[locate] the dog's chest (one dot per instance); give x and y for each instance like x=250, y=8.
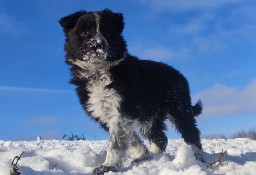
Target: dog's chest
x=103, y=102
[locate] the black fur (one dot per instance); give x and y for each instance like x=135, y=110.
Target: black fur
x=150, y=92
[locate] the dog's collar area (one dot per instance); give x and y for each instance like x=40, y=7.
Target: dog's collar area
x=92, y=70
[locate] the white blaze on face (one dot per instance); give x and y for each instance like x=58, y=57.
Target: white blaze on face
x=97, y=19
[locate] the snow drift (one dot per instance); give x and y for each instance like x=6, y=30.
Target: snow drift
x=54, y=157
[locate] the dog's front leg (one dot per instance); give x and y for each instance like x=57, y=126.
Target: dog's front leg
x=120, y=130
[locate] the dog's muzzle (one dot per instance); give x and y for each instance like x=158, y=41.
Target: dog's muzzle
x=97, y=49
x=99, y=44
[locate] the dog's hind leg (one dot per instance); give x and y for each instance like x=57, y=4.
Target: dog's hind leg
x=156, y=136
x=138, y=149
x=182, y=116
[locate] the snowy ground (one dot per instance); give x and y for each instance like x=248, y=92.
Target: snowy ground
x=54, y=157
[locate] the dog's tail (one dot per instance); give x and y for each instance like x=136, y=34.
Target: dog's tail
x=197, y=109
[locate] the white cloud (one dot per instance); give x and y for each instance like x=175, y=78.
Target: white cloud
x=175, y=5
x=10, y=25
x=158, y=53
x=6, y=23
x=36, y=90
x=35, y=121
x=223, y=100
x=212, y=30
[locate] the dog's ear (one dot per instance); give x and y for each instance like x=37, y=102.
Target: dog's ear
x=115, y=19
x=69, y=22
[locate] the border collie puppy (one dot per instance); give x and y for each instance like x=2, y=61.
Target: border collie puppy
x=125, y=94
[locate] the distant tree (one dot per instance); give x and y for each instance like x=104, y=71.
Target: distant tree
x=246, y=134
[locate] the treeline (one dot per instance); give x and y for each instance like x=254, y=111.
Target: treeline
x=246, y=134
x=241, y=134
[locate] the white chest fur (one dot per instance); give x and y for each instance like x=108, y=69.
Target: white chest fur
x=103, y=102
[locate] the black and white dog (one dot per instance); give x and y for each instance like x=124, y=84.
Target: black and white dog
x=124, y=93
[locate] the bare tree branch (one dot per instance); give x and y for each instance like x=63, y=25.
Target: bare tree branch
x=218, y=158
x=14, y=166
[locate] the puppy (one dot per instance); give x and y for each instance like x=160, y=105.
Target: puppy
x=125, y=94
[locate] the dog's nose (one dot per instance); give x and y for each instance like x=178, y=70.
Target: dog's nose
x=99, y=45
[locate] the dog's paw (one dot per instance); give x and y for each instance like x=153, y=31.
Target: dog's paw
x=147, y=156
x=100, y=170
x=198, y=153
x=200, y=157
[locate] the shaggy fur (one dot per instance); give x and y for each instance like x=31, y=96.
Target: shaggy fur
x=124, y=93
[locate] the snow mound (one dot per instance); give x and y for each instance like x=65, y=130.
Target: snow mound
x=185, y=156
x=53, y=157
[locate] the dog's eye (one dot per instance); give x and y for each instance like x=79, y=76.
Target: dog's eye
x=84, y=33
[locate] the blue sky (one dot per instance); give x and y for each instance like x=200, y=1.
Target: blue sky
x=211, y=42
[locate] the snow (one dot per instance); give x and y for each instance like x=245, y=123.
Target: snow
x=55, y=157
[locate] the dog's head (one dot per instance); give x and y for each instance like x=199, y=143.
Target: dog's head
x=93, y=37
